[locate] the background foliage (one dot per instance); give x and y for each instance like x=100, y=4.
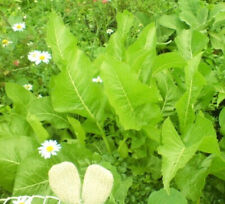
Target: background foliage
x=156, y=121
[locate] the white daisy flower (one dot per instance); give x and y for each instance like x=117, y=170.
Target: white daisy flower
x=28, y=87
x=109, y=31
x=19, y=27
x=49, y=148
x=22, y=200
x=34, y=55
x=5, y=42
x=43, y=57
x=97, y=79
x=39, y=96
x=24, y=17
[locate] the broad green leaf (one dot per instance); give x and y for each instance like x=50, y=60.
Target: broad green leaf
x=195, y=21
x=61, y=41
x=190, y=43
x=218, y=40
x=162, y=197
x=43, y=110
x=202, y=132
x=172, y=22
x=189, y=5
x=194, y=82
x=191, y=179
x=222, y=121
x=73, y=91
x=193, y=13
x=15, y=125
x=218, y=166
x=78, y=129
x=221, y=97
x=12, y=152
x=133, y=101
x=168, y=60
x=175, y=154
x=32, y=177
x=217, y=9
x=40, y=132
x=116, y=46
x=20, y=97
x=169, y=91
x=80, y=94
x=142, y=49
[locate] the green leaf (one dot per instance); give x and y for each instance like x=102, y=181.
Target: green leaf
x=218, y=40
x=169, y=92
x=218, y=166
x=193, y=13
x=190, y=43
x=191, y=179
x=32, y=177
x=40, y=132
x=194, y=82
x=132, y=100
x=142, y=48
x=175, y=154
x=202, y=132
x=61, y=41
x=167, y=61
x=12, y=152
x=20, y=97
x=172, y=22
x=80, y=94
x=222, y=121
x=162, y=197
x=116, y=46
x=78, y=130
x=43, y=110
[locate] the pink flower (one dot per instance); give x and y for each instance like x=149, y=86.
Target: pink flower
x=104, y=1
x=94, y=0
x=16, y=63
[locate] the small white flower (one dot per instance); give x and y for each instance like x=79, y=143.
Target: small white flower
x=39, y=96
x=97, y=79
x=49, y=148
x=19, y=27
x=109, y=31
x=28, y=87
x=43, y=57
x=5, y=42
x=34, y=55
x=19, y=8
x=22, y=200
x=24, y=17
x=30, y=43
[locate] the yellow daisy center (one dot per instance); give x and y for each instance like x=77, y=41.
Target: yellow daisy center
x=49, y=148
x=18, y=26
x=5, y=42
x=42, y=57
x=21, y=203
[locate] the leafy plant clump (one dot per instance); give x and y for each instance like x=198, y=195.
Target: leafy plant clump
x=149, y=108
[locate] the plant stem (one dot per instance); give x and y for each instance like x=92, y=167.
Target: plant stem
x=104, y=138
